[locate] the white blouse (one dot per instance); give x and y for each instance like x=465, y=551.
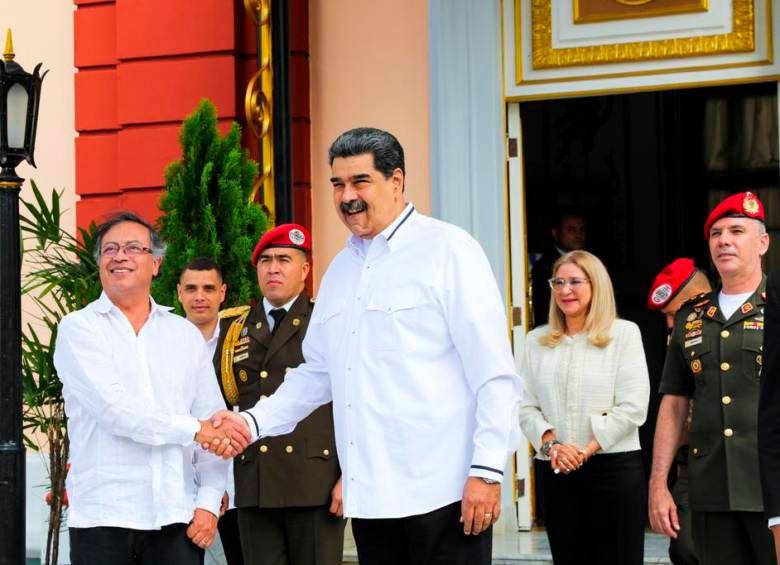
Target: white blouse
x=583, y=391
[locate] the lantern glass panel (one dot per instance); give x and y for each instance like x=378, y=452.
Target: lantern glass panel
x=17, y=115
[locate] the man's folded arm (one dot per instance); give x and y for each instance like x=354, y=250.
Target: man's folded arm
x=84, y=366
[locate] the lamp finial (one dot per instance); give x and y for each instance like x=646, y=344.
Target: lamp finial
x=8, y=54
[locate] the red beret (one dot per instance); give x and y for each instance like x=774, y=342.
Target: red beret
x=285, y=235
x=744, y=204
x=669, y=282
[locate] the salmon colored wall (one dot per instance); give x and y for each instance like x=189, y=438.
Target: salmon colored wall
x=43, y=33
x=369, y=67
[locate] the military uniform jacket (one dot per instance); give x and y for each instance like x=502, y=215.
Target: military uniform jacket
x=297, y=469
x=718, y=363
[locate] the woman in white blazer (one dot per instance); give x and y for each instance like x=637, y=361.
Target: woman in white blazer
x=587, y=391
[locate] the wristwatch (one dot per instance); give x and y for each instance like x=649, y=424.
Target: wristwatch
x=547, y=446
x=488, y=481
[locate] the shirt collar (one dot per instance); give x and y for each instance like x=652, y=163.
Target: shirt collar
x=215, y=336
x=104, y=305
x=267, y=306
x=356, y=244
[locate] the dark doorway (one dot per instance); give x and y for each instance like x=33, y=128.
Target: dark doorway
x=645, y=169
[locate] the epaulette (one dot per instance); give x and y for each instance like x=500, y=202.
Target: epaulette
x=698, y=300
x=233, y=312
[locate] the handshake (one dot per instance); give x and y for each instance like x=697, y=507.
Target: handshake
x=225, y=434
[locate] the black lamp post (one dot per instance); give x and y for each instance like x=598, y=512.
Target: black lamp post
x=20, y=94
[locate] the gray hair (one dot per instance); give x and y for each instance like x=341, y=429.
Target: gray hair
x=383, y=146
x=158, y=246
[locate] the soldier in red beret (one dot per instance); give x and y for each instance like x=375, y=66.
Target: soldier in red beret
x=288, y=488
x=677, y=284
x=715, y=357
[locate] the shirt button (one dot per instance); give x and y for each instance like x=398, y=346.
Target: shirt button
x=263, y=374
x=289, y=449
x=326, y=452
x=724, y=334
x=263, y=449
x=695, y=450
x=725, y=366
x=726, y=400
x=728, y=432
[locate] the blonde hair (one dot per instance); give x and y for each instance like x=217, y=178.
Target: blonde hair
x=601, y=310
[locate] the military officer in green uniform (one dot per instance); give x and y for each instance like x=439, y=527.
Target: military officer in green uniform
x=288, y=488
x=715, y=358
x=680, y=283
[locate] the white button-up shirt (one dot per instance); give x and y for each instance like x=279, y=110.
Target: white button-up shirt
x=133, y=404
x=409, y=340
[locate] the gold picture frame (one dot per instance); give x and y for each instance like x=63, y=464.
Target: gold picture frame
x=544, y=56
x=589, y=11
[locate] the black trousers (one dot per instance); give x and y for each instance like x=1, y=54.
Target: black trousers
x=123, y=546
x=230, y=537
x=435, y=538
x=682, y=550
x=596, y=515
x=291, y=536
x=733, y=538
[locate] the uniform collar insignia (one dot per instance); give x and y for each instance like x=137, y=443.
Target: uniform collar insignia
x=711, y=311
x=746, y=307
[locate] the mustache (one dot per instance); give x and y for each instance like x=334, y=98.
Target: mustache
x=353, y=206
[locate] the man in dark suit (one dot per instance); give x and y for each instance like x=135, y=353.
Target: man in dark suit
x=769, y=409
x=568, y=233
x=288, y=488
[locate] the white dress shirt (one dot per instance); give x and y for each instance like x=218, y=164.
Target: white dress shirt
x=133, y=404
x=409, y=341
x=584, y=392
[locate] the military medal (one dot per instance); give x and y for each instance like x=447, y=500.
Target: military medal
x=691, y=317
x=258, y=325
x=243, y=376
x=244, y=331
x=696, y=366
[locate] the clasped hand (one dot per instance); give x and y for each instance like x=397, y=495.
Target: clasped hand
x=565, y=458
x=226, y=434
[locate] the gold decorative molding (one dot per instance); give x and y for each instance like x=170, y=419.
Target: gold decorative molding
x=628, y=9
x=545, y=56
x=258, y=106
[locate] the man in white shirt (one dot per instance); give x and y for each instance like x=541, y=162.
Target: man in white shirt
x=409, y=340
x=201, y=291
x=138, y=385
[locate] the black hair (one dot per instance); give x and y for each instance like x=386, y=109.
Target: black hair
x=383, y=146
x=203, y=264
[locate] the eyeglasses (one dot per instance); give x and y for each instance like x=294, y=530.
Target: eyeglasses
x=131, y=249
x=558, y=285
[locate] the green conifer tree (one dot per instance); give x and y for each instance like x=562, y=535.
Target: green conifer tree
x=206, y=208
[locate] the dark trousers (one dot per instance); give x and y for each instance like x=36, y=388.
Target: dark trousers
x=230, y=537
x=733, y=538
x=291, y=536
x=596, y=515
x=435, y=538
x=682, y=550
x=123, y=546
